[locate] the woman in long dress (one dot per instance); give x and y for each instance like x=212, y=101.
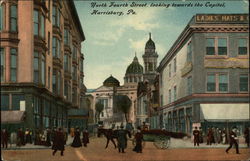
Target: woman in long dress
x=77, y=140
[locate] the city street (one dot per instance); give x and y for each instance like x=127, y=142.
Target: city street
x=96, y=152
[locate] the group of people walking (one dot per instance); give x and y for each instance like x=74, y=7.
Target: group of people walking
x=217, y=136
x=77, y=142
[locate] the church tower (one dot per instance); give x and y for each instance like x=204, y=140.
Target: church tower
x=150, y=61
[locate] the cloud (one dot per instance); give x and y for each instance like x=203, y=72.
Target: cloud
x=108, y=37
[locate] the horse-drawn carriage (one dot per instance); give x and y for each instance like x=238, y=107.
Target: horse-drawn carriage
x=160, y=138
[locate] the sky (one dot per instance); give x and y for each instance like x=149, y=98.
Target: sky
x=112, y=40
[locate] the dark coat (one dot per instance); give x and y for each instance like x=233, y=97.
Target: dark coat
x=232, y=137
x=196, y=134
x=85, y=138
x=58, y=143
x=77, y=140
x=4, y=136
x=122, y=138
x=138, y=139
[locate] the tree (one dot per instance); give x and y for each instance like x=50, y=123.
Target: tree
x=99, y=108
x=123, y=104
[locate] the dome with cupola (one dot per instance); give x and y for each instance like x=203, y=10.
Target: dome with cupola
x=111, y=82
x=135, y=67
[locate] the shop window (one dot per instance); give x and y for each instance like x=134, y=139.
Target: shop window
x=16, y=98
x=4, y=102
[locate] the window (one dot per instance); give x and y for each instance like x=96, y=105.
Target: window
x=244, y=82
x=66, y=90
x=223, y=82
x=43, y=68
x=210, y=49
x=169, y=70
x=66, y=63
x=74, y=73
x=13, y=18
x=189, y=85
x=59, y=83
x=74, y=96
x=56, y=47
x=189, y=52
x=242, y=46
x=175, y=93
x=37, y=111
x=54, y=82
x=211, y=82
x=216, y=46
x=175, y=67
x=1, y=17
x=81, y=64
x=66, y=36
x=4, y=102
x=16, y=98
x=39, y=66
x=36, y=22
x=2, y=64
x=222, y=46
x=169, y=96
x=36, y=67
x=217, y=82
x=13, y=68
x=55, y=16
x=42, y=26
x=74, y=53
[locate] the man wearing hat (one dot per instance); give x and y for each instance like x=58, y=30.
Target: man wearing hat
x=122, y=139
x=233, y=141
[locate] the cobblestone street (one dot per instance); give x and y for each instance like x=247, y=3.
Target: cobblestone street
x=96, y=152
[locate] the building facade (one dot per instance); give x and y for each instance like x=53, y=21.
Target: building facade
x=41, y=63
x=204, y=77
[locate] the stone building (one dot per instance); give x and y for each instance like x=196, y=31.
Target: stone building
x=41, y=63
x=204, y=77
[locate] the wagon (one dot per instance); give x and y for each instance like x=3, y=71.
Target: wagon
x=160, y=138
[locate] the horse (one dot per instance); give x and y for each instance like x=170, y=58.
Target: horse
x=109, y=134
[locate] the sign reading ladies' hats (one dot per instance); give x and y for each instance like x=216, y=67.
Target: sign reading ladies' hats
x=221, y=18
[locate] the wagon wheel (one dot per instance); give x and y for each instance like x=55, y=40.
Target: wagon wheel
x=134, y=143
x=162, y=142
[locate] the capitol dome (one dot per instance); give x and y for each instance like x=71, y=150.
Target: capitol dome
x=135, y=67
x=111, y=82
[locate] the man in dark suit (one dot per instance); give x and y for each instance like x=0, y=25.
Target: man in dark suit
x=138, y=139
x=196, y=134
x=58, y=143
x=122, y=139
x=4, y=138
x=233, y=141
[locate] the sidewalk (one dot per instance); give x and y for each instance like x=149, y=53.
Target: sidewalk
x=187, y=143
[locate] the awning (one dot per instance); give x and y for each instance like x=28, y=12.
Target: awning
x=12, y=116
x=226, y=112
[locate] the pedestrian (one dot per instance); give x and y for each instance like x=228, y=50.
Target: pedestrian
x=77, y=141
x=219, y=135
x=201, y=135
x=26, y=136
x=196, y=134
x=85, y=137
x=48, y=137
x=20, y=137
x=209, y=136
x=223, y=136
x=122, y=139
x=4, y=138
x=58, y=143
x=13, y=138
x=233, y=141
x=72, y=134
x=138, y=140
x=212, y=136
x=246, y=135
x=216, y=135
